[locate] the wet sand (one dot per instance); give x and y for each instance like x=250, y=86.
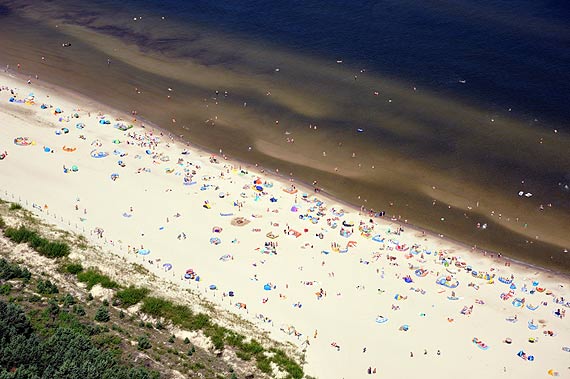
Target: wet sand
x=415, y=140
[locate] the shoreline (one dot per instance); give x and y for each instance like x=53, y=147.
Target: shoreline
x=254, y=166
x=290, y=267
x=544, y=236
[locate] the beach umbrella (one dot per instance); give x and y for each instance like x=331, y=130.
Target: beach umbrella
x=167, y=266
x=213, y=287
x=267, y=287
x=47, y=149
x=259, y=188
x=273, y=200
x=144, y=251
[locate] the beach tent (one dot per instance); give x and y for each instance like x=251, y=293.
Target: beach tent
x=98, y=154
x=144, y=251
x=381, y=319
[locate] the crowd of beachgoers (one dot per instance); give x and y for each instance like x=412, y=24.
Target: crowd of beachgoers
x=361, y=294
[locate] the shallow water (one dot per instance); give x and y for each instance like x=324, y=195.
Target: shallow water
x=457, y=137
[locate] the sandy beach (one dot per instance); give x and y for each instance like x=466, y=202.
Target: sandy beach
x=365, y=296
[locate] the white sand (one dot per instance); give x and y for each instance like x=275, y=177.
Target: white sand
x=364, y=284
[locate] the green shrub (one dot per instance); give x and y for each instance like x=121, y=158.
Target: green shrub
x=68, y=300
x=252, y=347
x=264, y=364
x=131, y=295
x=144, y=343
x=54, y=249
x=107, y=340
x=5, y=289
x=102, y=314
x=154, y=306
x=92, y=277
x=46, y=287
x=20, y=235
x=179, y=315
x=78, y=310
x=243, y=355
x=287, y=364
x=15, y=206
x=2, y=223
x=49, y=249
x=13, y=271
x=74, y=268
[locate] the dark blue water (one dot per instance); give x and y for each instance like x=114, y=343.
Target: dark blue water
x=512, y=54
